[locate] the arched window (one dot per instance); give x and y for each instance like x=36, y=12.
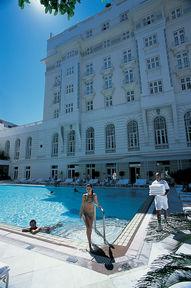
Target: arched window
x=90, y=141
x=71, y=143
x=110, y=138
x=133, y=135
x=55, y=145
x=7, y=149
x=161, y=139
x=17, y=148
x=187, y=121
x=28, y=148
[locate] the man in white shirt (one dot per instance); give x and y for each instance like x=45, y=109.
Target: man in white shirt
x=161, y=202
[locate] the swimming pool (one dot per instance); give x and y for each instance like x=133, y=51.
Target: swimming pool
x=21, y=203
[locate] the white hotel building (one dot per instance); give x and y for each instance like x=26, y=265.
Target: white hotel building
x=117, y=96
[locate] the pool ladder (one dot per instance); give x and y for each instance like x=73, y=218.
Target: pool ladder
x=95, y=228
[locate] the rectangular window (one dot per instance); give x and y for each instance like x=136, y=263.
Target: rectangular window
x=127, y=56
x=16, y=172
x=108, y=101
x=124, y=16
x=89, y=105
x=108, y=82
x=89, y=69
x=70, y=71
x=106, y=43
x=69, y=88
x=69, y=108
x=89, y=88
x=182, y=60
x=107, y=62
x=56, y=113
x=179, y=37
x=89, y=33
x=27, y=172
x=185, y=83
x=130, y=96
x=57, y=81
x=54, y=172
x=56, y=97
x=71, y=171
x=153, y=62
x=126, y=35
x=129, y=77
x=150, y=41
x=156, y=87
x=148, y=20
x=176, y=13
x=89, y=51
x=105, y=26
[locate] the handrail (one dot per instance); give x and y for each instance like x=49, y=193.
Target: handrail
x=95, y=228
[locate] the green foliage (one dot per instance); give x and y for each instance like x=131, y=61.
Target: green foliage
x=55, y=6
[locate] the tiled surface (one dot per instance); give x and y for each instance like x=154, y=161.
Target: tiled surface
x=129, y=232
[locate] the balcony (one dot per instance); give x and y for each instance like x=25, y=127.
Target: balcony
x=89, y=96
x=181, y=72
x=107, y=70
x=128, y=64
x=129, y=85
x=175, y=47
x=87, y=76
x=107, y=91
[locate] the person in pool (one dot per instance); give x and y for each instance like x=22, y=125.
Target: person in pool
x=33, y=228
x=89, y=199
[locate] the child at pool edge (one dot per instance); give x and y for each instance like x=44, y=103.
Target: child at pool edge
x=89, y=199
x=35, y=229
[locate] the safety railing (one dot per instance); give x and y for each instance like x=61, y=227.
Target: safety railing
x=103, y=219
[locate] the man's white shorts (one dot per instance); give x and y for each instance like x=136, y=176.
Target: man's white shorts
x=161, y=202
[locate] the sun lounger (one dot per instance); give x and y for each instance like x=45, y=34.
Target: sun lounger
x=68, y=181
x=140, y=182
x=122, y=182
x=93, y=181
x=186, y=203
x=4, y=273
x=20, y=180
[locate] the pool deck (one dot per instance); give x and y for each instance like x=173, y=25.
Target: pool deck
x=35, y=263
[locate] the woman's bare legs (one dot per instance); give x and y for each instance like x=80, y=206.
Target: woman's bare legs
x=89, y=222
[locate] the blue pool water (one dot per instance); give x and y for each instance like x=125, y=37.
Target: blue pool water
x=19, y=204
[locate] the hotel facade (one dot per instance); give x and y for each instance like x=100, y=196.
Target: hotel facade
x=117, y=97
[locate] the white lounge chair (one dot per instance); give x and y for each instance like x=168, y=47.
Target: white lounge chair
x=68, y=181
x=4, y=273
x=20, y=180
x=93, y=181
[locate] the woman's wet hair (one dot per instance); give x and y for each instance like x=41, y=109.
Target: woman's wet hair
x=90, y=185
x=33, y=221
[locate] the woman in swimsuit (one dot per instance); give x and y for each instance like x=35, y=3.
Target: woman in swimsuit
x=87, y=210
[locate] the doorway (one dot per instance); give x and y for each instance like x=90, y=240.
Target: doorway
x=134, y=172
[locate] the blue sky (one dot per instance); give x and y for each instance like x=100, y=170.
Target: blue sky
x=23, y=40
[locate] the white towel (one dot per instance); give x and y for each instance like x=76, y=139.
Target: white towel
x=157, y=189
